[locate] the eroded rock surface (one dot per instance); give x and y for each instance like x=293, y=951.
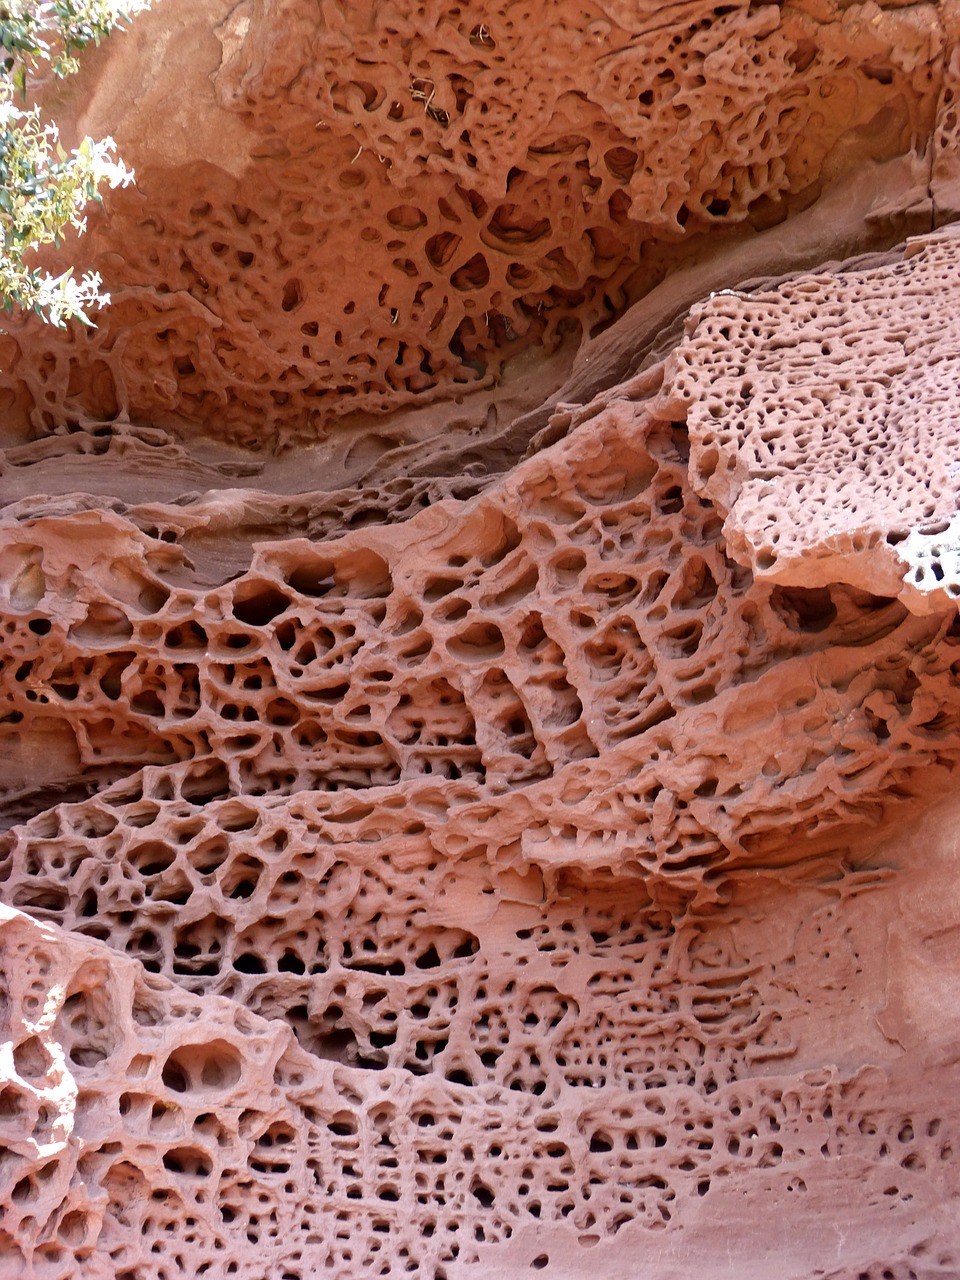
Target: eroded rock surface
x=823, y=419
x=365, y=210
x=509, y=834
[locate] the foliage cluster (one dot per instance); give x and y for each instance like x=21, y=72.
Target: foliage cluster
x=43, y=188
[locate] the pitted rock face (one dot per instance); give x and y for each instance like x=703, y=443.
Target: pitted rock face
x=515, y=839
x=824, y=419
x=577, y=620
x=372, y=210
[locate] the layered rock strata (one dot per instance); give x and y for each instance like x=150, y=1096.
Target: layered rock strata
x=510, y=834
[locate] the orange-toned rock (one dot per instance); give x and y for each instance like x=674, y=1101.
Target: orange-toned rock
x=823, y=422
x=472, y=821
x=349, y=210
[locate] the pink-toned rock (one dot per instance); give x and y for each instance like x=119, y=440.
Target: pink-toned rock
x=346, y=213
x=511, y=834
x=823, y=420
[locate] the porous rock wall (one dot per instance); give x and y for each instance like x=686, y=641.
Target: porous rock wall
x=480, y=686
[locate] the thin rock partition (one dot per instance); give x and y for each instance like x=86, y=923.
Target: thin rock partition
x=480, y=678
x=823, y=423
x=361, y=211
x=522, y=830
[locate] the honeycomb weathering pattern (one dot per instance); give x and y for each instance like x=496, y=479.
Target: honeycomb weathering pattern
x=541, y=865
x=823, y=420
x=490, y=808
x=368, y=209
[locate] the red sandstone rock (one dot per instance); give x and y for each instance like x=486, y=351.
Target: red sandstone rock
x=496, y=839
x=359, y=211
x=824, y=422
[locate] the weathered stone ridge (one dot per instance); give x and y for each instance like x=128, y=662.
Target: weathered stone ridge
x=480, y=685
x=835, y=455
x=371, y=209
